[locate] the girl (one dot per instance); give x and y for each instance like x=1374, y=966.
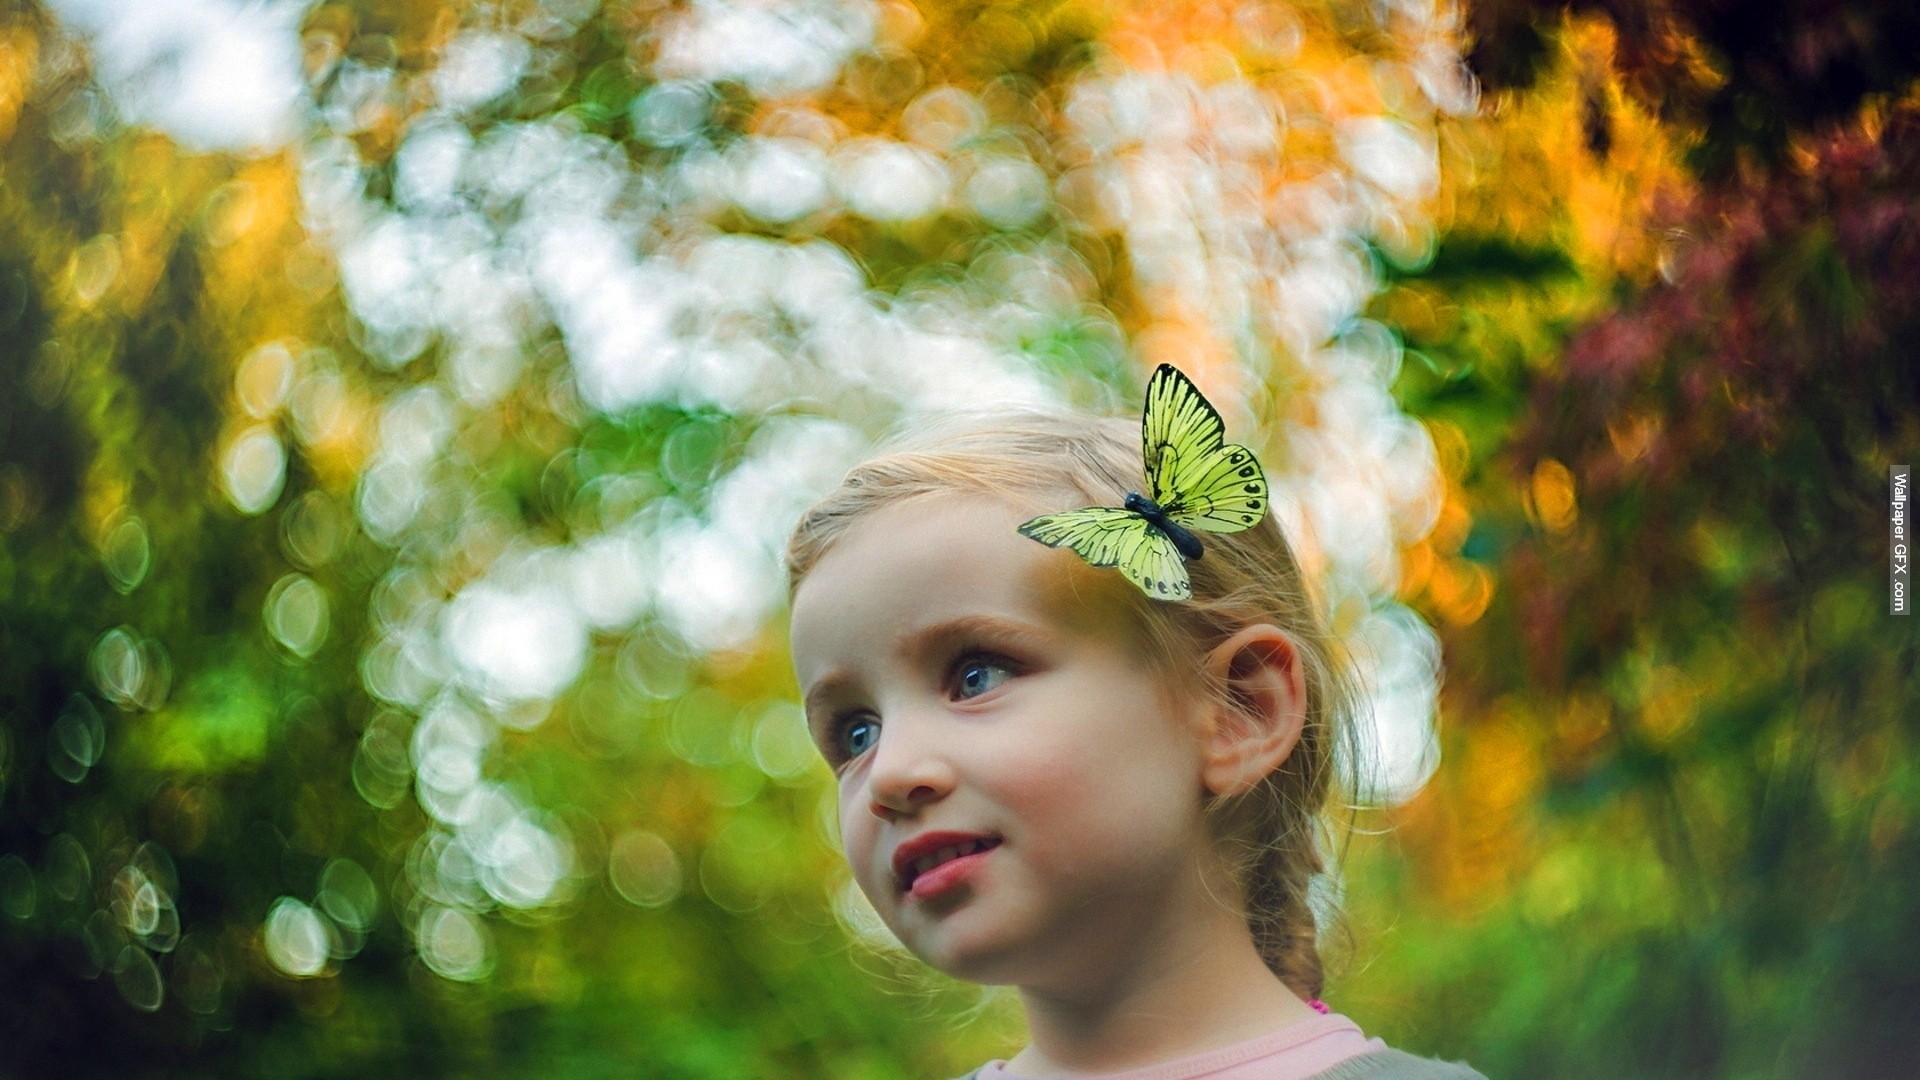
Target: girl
x=1049, y=780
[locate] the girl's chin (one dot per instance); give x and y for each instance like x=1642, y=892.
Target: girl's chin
x=966, y=953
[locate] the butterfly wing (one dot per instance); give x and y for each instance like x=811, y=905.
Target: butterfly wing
x=1109, y=536
x=1199, y=480
x=1221, y=491
x=1177, y=424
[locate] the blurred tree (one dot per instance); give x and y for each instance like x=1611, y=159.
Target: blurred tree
x=1750, y=77
x=165, y=762
x=1686, y=655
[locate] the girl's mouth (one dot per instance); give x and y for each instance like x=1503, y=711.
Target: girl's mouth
x=936, y=873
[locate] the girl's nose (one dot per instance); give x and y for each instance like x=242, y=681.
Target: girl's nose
x=908, y=771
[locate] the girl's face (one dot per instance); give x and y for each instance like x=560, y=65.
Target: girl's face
x=962, y=678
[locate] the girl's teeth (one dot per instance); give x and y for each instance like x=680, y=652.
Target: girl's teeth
x=928, y=862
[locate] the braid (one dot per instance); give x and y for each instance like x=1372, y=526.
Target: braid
x=1275, y=870
x=1282, y=922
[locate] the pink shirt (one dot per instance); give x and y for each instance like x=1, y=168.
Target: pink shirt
x=1295, y=1052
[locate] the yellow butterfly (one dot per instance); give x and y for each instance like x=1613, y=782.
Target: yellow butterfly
x=1197, y=479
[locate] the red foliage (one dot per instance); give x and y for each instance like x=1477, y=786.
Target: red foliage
x=1785, y=287
x=1763, y=387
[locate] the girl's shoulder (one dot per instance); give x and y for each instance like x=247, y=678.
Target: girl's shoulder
x=1390, y=1064
x=1386, y=1064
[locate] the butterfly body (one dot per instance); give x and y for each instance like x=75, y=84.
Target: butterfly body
x=1198, y=482
x=1188, y=543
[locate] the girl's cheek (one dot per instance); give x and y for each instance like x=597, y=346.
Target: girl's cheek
x=1051, y=774
x=852, y=832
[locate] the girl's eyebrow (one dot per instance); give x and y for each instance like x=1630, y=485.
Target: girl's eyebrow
x=940, y=636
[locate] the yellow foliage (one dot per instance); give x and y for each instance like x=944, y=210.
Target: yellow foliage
x=1420, y=311
x=1450, y=528
x=1451, y=449
x=1670, y=704
x=339, y=454
x=19, y=54
x=92, y=269
x=1471, y=829
x=1550, y=498
x=251, y=223
x=152, y=171
x=1460, y=589
x=1529, y=166
x=1416, y=569
x=1194, y=345
x=1582, y=722
x=103, y=499
x=1632, y=433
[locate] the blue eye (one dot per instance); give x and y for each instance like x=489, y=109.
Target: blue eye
x=849, y=738
x=977, y=676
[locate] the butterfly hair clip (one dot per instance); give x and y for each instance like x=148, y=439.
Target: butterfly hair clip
x=1198, y=482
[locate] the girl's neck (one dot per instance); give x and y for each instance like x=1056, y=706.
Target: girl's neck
x=1176, y=990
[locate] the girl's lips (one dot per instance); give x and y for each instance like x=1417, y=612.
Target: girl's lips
x=933, y=843
x=948, y=875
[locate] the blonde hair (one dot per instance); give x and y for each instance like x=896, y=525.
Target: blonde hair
x=1272, y=835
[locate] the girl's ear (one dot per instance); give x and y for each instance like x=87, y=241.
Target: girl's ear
x=1259, y=720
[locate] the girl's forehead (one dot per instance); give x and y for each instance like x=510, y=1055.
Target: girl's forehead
x=932, y=540
x=952, y=555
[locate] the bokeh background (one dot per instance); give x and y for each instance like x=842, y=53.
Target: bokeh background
x=404, y=403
